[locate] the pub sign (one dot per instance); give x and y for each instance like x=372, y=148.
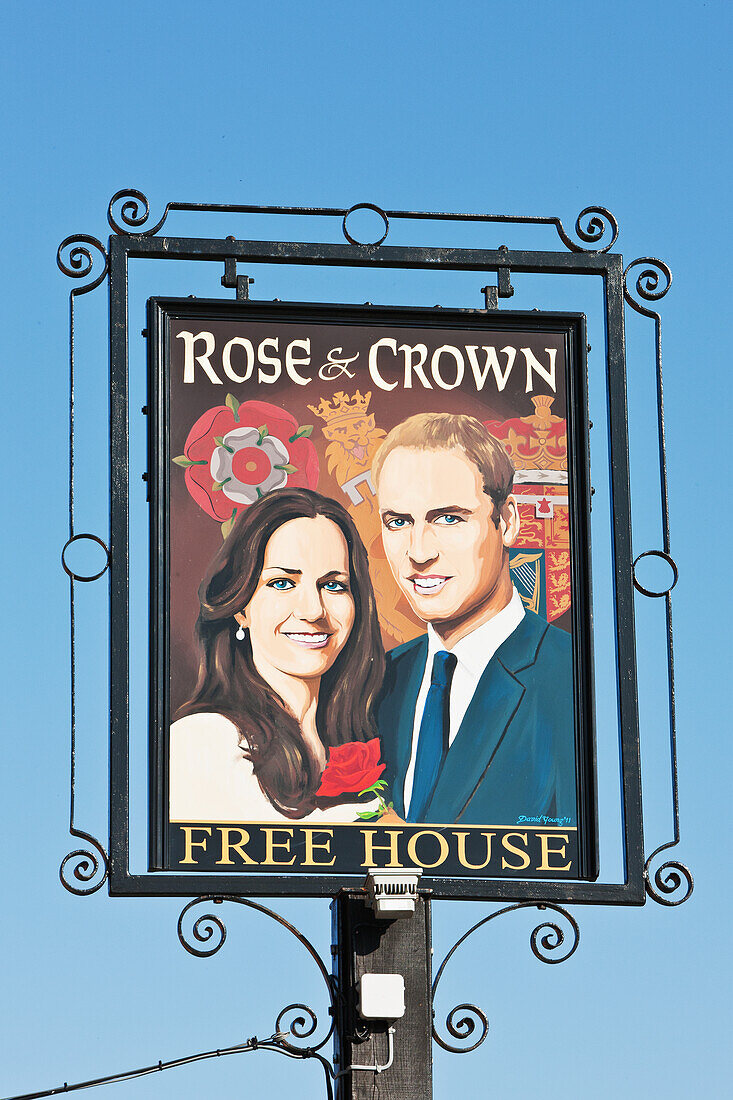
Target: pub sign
x=370, y=595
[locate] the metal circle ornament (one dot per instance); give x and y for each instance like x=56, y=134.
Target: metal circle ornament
x=670, y=562
x=377, y=210
x=80, y=576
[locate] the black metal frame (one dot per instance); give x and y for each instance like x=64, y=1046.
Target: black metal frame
x=77, y=258
x=122, y=249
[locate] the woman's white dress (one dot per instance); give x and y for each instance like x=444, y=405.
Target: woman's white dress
x=211, y=780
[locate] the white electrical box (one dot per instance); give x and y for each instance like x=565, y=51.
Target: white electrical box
x=381, y=996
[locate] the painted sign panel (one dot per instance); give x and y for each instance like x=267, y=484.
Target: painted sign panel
x=371, y=592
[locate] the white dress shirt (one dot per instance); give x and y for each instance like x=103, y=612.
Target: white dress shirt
x=473, y=654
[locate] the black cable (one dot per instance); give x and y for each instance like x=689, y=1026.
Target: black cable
x=274, y=1043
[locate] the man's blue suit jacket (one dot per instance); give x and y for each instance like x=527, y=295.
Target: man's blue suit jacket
x=514, y=754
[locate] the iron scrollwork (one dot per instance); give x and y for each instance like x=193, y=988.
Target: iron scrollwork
x=461, y=1022
x=645, y=282
x=85, y=870
x=545, y=942
x=301, y=1026
x=209, y=929
x=672, y=882
x=129, y=210
x=80, y=260
x=84, y=257
x=134, y=211
x=600, y=221
x=671, y=877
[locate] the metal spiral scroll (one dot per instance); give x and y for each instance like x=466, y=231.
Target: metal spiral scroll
x=86, y=868
x=203, y=929
x=210, y=930
x=301, y=1026
x=648, y=283
x=463, y=1028
x=134, y=212
x=600, y=221
x=80, y=261
x=664, y=884
x=545, y=939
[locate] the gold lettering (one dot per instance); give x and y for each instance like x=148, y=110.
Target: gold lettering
x=310, y=846
x=238, y=846
x=271, y=844
x=188, y=831
x=461, y=838
x=509, y=847
x=412, y=848
x=547, y=851
x=370, y=847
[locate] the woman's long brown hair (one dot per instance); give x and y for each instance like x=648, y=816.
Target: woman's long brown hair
x=228, y=682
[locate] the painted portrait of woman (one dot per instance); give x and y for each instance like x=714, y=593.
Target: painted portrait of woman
x=280, y=724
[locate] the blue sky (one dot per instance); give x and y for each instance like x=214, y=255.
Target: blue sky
x=528, y=108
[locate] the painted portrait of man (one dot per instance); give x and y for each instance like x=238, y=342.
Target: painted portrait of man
x=419, y=511
x=476, y=714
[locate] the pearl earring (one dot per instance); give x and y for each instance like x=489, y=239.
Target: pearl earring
x=240, y=634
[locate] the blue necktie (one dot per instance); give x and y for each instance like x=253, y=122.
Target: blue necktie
x=432, y=744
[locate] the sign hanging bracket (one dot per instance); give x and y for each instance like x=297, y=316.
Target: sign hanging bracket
x=232, y=281
x=503, y=289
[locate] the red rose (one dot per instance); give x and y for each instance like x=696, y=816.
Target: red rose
x=234, y=454
x=351, y=768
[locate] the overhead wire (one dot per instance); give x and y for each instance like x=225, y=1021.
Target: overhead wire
x=274, y=1043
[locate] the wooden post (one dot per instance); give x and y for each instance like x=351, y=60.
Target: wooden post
x=364, y=944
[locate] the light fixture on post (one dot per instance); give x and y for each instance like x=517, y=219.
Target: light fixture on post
x=392, y=891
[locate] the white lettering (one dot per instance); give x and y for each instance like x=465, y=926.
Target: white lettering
x=435, y=366
x=189, y=341
x=491, y=364
x=385, y=342
x=291, y=362
x=226, y=358
x=268, y=360
x=534, y=364
x=410, y=353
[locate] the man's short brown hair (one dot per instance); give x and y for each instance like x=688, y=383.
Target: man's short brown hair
x=444, y=431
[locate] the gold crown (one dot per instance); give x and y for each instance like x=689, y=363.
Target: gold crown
x=535, y=442
x=343, y=408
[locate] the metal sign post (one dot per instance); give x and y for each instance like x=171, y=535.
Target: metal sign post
x=247, y=400
x=384, y=1007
